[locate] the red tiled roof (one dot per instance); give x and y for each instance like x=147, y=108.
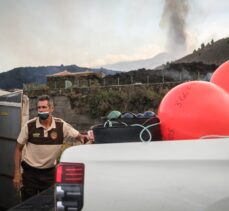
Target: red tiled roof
x=63, y=73
x=67, y=73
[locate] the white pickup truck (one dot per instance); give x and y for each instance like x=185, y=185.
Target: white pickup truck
x=188, y=175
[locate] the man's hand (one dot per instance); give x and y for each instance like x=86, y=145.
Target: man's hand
x=85, y=138
x=17, y=181
x=91, y=136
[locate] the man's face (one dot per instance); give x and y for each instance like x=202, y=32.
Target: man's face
x=42, y=106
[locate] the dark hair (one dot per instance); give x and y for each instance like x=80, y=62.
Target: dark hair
x=45, y=97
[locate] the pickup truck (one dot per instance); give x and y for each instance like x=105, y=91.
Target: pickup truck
x=184, y=175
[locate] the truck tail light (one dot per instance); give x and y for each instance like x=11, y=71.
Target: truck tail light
x=69, y=186
x=70, y=173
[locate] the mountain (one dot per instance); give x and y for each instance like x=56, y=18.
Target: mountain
x=16, y=77
x=207, y=57
x=199, y=65
x=196, y=66
x=150, y=63
x=211, y=53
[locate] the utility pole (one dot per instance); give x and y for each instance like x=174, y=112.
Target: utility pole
x=163, y=78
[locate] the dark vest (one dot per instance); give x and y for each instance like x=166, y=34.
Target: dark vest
x=36, y=135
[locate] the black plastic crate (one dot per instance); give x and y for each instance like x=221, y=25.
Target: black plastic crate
x=128, y=130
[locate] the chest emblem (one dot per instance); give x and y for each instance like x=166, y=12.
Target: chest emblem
x=53, y=135
x=36, y=135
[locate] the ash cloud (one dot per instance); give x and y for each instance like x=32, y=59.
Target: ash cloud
x=174, y=20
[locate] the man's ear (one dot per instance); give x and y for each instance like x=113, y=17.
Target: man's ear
x=51, y=109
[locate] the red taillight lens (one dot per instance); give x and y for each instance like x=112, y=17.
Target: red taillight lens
x=70, y=173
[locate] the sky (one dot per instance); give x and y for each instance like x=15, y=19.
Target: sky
x=92, y=33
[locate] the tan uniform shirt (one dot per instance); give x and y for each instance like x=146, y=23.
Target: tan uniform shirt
x=43, y=156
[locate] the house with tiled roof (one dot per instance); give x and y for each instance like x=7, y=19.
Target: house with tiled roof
x=66, y=79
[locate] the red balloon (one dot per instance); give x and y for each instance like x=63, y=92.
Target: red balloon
x=221, y=76
x=193, y=110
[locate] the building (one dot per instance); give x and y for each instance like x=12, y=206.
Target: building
x=66, y=79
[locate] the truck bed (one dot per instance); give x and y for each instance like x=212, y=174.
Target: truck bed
x=163, y=175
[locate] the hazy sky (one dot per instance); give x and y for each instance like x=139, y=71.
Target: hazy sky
x=96, y=32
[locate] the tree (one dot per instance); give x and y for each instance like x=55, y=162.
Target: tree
x=202, y=45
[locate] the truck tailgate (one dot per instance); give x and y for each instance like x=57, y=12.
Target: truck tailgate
x=165, y=175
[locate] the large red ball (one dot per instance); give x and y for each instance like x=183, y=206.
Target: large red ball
x=221, y=76
x=194, y=109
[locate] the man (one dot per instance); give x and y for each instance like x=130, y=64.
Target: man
x=43, y=137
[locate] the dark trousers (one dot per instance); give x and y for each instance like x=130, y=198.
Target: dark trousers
x=35, y=180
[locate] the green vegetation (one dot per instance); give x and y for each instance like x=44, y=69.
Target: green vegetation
x=136, y=99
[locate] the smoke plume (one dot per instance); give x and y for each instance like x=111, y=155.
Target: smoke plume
x=174, y=20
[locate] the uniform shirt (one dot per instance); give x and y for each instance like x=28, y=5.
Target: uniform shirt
x=43, y=155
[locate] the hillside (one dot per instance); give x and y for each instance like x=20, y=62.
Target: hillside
x=211, y=53
x=171, y=72
x=24, y=75
x=200, y=64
